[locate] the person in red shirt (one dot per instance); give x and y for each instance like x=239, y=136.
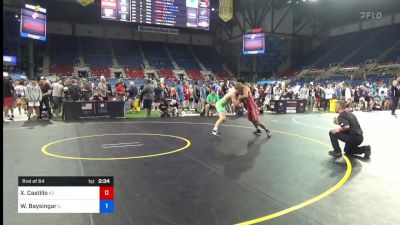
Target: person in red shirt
x=120, y=91
x=186, y=92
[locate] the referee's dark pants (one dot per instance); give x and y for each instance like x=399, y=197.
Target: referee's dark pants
x=352, y=143
x=395, y=103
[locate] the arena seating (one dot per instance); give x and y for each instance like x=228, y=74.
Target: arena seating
x=222, y=75
x=166, y=73
x=128, y=54
x=336, y=48
x=96, y=52
x=209, y=57
x=63, y=53
x=195, y=74
x=156, y=55
x=393, y=56
x=61, y=69
x=133, y=72
x=288, y=73
x=183, y=57
x=97, y=71
x=374, y=49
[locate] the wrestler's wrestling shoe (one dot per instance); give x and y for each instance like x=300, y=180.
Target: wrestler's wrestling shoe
x=215, y=133
x=335, y=153
x=257, y=132
x=268, y=134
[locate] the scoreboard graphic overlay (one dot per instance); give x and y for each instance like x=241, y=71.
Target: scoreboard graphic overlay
x=174, y=13
x=65, y=194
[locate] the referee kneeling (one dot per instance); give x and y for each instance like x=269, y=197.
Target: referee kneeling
x=349, y=132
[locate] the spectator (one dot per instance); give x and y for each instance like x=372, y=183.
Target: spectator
x=67, y=84
x=196, y=95
x=34, y=96
x=186, y=93
x=132, y=94
x=174, y=107
x=158, y=91
x=8, y=96
x=46, y=94
x=120, y=91
x=148, y=96
x=212, y=99
x=96, y=96
x=179, y=93
x=86, y=90
x=329, y=94
x=164, y=108
x=74, y=91
x=57, y=89
x=395, y=94
x=102, y=88
x=20, y=91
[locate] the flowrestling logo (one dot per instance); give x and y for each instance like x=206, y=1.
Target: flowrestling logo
x=371, y=15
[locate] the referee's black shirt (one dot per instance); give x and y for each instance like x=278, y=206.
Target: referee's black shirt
x=348, y=118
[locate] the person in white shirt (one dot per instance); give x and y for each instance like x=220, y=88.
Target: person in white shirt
x=277, y=92
x=34, y=96
x=329, y=92
x=20, y=91
x=296, y=90
x=57, y=89
x=383, y=90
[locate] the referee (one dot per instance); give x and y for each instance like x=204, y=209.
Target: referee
x=349, y=132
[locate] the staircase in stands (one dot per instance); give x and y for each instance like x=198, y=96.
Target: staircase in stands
x=46, y=65
x=203, y=68
x=145, y=62
x=171, y=58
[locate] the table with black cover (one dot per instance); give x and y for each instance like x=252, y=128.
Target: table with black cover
x=95, y=109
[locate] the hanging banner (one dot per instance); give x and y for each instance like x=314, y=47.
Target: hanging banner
x=226, y=10
x=85, y=2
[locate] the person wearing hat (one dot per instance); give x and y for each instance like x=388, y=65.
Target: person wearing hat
x=8, y=96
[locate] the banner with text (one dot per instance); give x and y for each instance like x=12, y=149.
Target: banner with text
x=226, y=10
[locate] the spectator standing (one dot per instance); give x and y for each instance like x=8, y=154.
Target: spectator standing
x=186, y=93
x=57, y=89
x=196, y=95
x=8, y=96
x=46, y=94
x=158, y=92
x=34, y=96
x=74, y=91
x=20, y=91
x=120, y=91
x=179, y=92
x=148, y=96
x=395, y=94
x=102, y=87
x=329, y=94
x=86, y=90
